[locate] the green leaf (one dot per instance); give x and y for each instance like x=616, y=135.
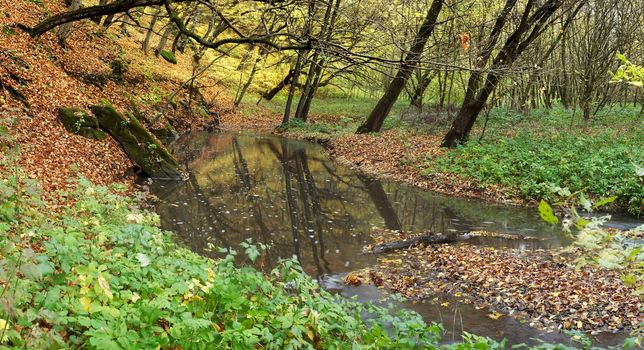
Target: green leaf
x=609, y=260
x=143, y=259
x=604, y=202
x=638, y=170
x=630, y=280
x=546, y=213
x=581, y=223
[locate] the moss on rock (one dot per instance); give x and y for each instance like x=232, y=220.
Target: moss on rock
x=80, y=123
x=166, y=133
x=91, y=133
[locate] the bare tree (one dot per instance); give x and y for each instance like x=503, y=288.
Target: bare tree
x=382, y=109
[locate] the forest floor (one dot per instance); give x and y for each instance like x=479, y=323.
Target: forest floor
x=78, y=76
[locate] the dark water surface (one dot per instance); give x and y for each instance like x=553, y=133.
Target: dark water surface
x=290, y=195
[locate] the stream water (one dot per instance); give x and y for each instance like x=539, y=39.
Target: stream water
x=290, y=195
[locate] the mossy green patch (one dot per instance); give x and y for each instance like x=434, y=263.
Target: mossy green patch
x=168, y=56
x=6, y=30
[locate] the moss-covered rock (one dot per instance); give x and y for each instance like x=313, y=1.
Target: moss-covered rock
x=91, y=133
x=80, y=123
x=139, y=144
x=168, y=56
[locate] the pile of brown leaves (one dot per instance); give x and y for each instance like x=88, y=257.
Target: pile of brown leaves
x=542, y=287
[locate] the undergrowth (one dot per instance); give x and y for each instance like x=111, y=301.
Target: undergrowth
x=547, y=166
x=102, y=275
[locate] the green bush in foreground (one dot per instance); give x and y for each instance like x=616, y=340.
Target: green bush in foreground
x=549, y=166
x=102, y=275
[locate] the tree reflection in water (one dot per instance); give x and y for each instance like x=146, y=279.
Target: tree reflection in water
x=290, y=195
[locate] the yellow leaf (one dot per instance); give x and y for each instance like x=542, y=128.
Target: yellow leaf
x=495, y=315
x=445, y=304
x=309, y=333
x=3, y=327
x=135, y=297
x=105, y=285
x=85, y=302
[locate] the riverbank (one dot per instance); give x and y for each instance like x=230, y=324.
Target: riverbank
x=518, y=163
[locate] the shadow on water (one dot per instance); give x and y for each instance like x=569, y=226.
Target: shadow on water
x=290, y=195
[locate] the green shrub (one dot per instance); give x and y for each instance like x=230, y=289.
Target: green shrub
x=106, y=277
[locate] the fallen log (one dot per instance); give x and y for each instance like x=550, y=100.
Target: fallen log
x=139, y=144
x=414, y=241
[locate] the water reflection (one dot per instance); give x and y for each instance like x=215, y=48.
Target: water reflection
x=290, y=195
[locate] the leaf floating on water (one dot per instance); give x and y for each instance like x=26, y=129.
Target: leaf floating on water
x=495, y=315
x=353, y=280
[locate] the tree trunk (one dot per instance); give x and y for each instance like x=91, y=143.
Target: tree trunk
x=66, y=29
x=274, y=91
x=416, y=99
x=164, y=39
x=89, y=12
x=412, y=242
x=382, y=109
x=327, y=33
x=97, y=19
x=124, y=24
x=108, y=21
x=530, y=26
x=249, y=81
x=291, y=92
x=148, y=36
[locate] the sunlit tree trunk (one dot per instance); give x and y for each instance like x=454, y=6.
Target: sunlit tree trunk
x=148, y=35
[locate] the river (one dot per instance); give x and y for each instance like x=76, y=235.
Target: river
x=288, y=194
